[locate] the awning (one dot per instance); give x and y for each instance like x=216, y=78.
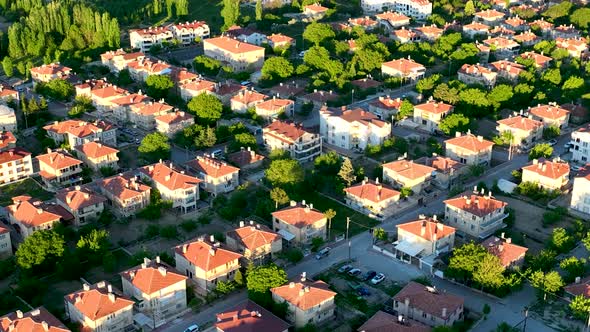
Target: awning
x=408, y=248
x=288, y=236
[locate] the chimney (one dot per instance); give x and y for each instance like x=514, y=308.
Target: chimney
x=508, y=240
x=110, y=288
x=19, y=314
x=162, y=270
x=444, y=312
x=577, y=282
x=303, y=276
x=502, y=235
x=86, y=287
x=112, y=297
x=212, y=252
x=184, y=248
x=407, y=302
x=291, y=285
x=458, y=134
x=158, y=259
x=45, y=326
x=241, y=224
x=132, y=274
x=212, y=238
x=301, y=292
x=423, y=228
x=292, y=203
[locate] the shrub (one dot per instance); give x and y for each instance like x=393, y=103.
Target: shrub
x=152, y=231
x=189, y=225
x=169, y=232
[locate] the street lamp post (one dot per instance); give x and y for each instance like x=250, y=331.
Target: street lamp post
x=349, y=242
x=352, y=96
x=526, y=315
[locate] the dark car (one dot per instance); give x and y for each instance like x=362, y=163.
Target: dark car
x=369, y=275
x=362, y=291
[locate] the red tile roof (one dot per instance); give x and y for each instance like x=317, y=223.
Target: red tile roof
x=512, y=68
x=79, y=197
x=50, y=69
x=542, y=24
x=579, y=288
x=244, y=157
x=152, y=277
x=526, y=37
x=366, y=83
x=131, y=99
x=430, y=30
x=490, y=14
x=108, y=91
x=549, y=169
x=315, y=8
x=476, y=204
x=404, y=66
x=13, y=154
x=151, y=108
x=181, y=75
x=253, y=237
x=500, y=42
x=552, y=112
x=429, y=229
x=31, y=212
x=152, y=31
x=249, y=317
x=504, y=249
x=199, y=85
x=285, y=131
x=409, y=169
x=470, y=142
x=305, y=295
x=441, y=164
x=515, y=21
x=205, y=255
x=58, y=160
x=476, y=26
x=384, y=322
x=97, y=302
x=354, y=115
x=174, y=117
x=540, y=59
x=362, y=21
x=393, y=17
x=233, y=46
x=431, y=302
x=32, y=321
x=247, y=97
x=279, y=38
x=211, y=167
x=166, y=175
x=321, y=96
x=522, y=123
x=286, y=89
x=6, y=92
x=95, y=150
x=434, y=107
x=123, y=186
x=191, y=25
x=387, y=103
x=274, y=104
x=372, y=191
x=6, y=139
x=299, y=216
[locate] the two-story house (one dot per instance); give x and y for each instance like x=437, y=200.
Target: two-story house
x=299, y=223
x=7, y=94
x=541, y=61
x=99, y=308
x=171, y=123
x=206, y=263
x=581, y=191
x=315, y=11
x=174, y=185
x=48, y=72
x=477, y=215
x=246, y=158
x=469, y=149
x=403, y=68
x=7, y=140
x=507, y=70
x=385, y=107
x=97, y=155
x=448, y=171
x=256, y=242
x=58, y=169
x=548, y=174
x=422, y=238
x=126, y=194
x=372, y=198
x=576, y=47
x=475, y=29
x=502, y=47
x=527, y=38
x=143, y=114
x=510, y=254
x=78, y=132
x=15, y=164
x=383, y=321
x=274, y=107
x=245, y=100
x=302, y=145
x=189, y=32
x=391, y=20
x=524, y=130
x=551, y=115
x=477, y=74
x=308, y=301
x=407, y=174
x=489, y=17
x=428, y=305
x=216, y=176
x=196, y=87
x=318, y=98
x=82, y=202
x=238, y=55
x=38, y=319
x=158, y=292
x=119, y=59
x=8, y=120
x=580, y=144
x=144, y=39
x=430, y=114
x=249, y=316
x=352, y=128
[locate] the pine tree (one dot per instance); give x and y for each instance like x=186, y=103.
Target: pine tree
x=258, y=10
x=469, y=8
x=7, y=65
x=239, y=278
x=347, y=172
x=230, y=13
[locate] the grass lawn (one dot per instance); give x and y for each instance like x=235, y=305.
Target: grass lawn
x=26, y=187
x=358, y=222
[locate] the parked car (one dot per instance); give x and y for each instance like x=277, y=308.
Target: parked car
x=246, y=83
x=355, y=272
x=192, y=328
x=322, y=253
x=302, y=54
x=567, y=146
x=378, y=278
x=362, y=291
x=345, y=268
x=552, y=142
x=369, y=275
x=575, y=168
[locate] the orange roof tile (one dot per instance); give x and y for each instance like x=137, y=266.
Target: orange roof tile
x=32, y=321
x=199, y=85
x=441, y=164
x=152, y=277
x=13, y=154
x=131, y=99
x=393, y=17
x=489, y=14
x=409, y=169
x=79, y=197
x=247, y=97
x=512, y=68
x=404, y=66
x=95, y=150
x=152, y=31
x=206, y=256
x=579, y=288
x=181, y=75
x=315, y=8
x=5, y=92
x=123, y=186
x=500, y=42
x=504, y=249
x=244, y=157
x=191, y=25
x=431, y=302
x=109, y=91
x=51, y=69
x=372, y=191
x=434, y=107
x=552, y=112
x=166, y=175
x=211, y=167
x=476, y=204
x=526, y=37
x=539, y=59
x=249, y=317
x=285, y=131
x=354, y=115
x=253, y=237
x=542, y=24
x=387, y=103
x=233, y=46
x=429, y=229
x=275, y=104
x=278, y=38
x=58, y=160
x=97, y=302
x=31, y=212
x=6, y=139
x=470, y=142
x=299, y=216
x=151, y=108
x=305, y=295
x=175, y=117
x=476, y=26
x=430, y=30
x=384, y=322
x=549, y=169
x=522, y=123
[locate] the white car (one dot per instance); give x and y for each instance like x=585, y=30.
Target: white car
x=552, y=142
x=378, y=278
x=302, y=54
x=192, y=328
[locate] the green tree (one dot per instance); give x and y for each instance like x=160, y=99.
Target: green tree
x=500, y=95
x=82, y=105
x=346, y=172
x=279, y=196
x=158, y=86
x=580, y=306
x=328, y=163
x=465, y=260
x=552, y=76
x=380, y=234
x=574, y=267
x=230, y=13
x=284, y=172
x=154, y=146
x=406, y=109
x=58, y=88
x=549, y=282
x=206, y=65
x=427, y=84
x=573, y=87
x=551, y=132
x=206, y=107
x=469, y=9
x=239, y=278
x=489, y=273
x=206, y=138
x=558, y=11
x=329, y=214
x=8, y=66
x=94, y=245
x=454, y=123
x=561, y=241
x=276, y=68
x=544, y=260
x=541, y=150
x=261, y=279
x=258, y=10
x=41, y=247
x=581, y=18
x=317, y=33
x=244, y=140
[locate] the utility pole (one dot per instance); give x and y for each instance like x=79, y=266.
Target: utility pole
x=526, y=315
x=329, y=228
x=349, y=242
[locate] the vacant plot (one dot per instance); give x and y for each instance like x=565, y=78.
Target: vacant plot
x=26, y=187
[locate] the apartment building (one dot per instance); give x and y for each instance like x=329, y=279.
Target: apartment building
x=510, y=254
x=423, y=238
x=58, y=169
x=245, y=100
x=79, y=132
x=206, y=263
x=352, y=128
x=475, y=214
x=429, y=115
x=407, y=174
x=403, y=68
x=302, y=145
x=272, y=108
x=384, y=321
x=175, y=186
x=100, y=307
x=551, y=115
x=309, y=302
x=15, y=164
x=97, y=155
x=121, y=106
x=7, y=140
x=189, y=32
x=158, y=292
x=216, y=176
x=119, y=59
x=527, y=38
x=428, y=305
x=490, y=17
x=469, y=149
x=550, y=175
x=8, y=120
x=38, y=319
x=580, y=144
x=429, y=33
x=507, y=69
x=170, y=124
x=475, y=29
x=143, y=39
x=299, y=223
x=126, y=194
x=477, y=74
x=48, y=72
x=385, y=107
x=29, y=215
x=142, y=69
x=249, y=316
x=541, y=61
x=238, y=55
x=372, y=198
x=576, y=47
x=525, y=131
x=5, y=243
x=258, y=243
x=143, y=114
x=82, y=202
x=194, y=88
x=581, y=191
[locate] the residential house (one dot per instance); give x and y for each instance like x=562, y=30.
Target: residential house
x=144, y=39
x=142, y=69
x=49, y=72
x=490, y=17
x=469, y=149
x=419, y=241
x=15, y=164
x=477, y=74
x=448, y=171
x=429, y=115
x=318, y=98
x=8, y=120
x=7, y=141
x=391, y=20
x=428, y=305
x=541, y=61
x=7, y=94
x=502, y=47
x=103, y=97
x=256, y=242
x=249, y=316
x=158, y=291
x=279, y=40
x=246, y=35
x=194, y=88
x=372, y=198
x=565, y=31
x=576, y=47
x=174, y=186
x=302, y=145
x=407, y=174
x=190, y=32
x=308, y=302
x=315, y=11
x=417, y=9
x=527, y=38
x=580, y=287
x=82, y=202
x=58, y=169
x=366, y=23
x=100, y=307
x=122, y=106
x=385, y=107
x=524, y=130
x=404, y=36
x=126, y=194
x=507, y=69
x=238, y=55
x=404, y=68
x=119, y=59
x=272, y=108
x=171, y=123
x=206, y=263
x=580, y=144
x=477, y=215
x=38, y=319
x=581, y=191
x=544, y=27
x=180, y=76
x=515, y=23
x=143, y=114
x=245, y=100
x=429, y=33
x=85, y=88
x=510, y=254
x=475, y=29
x=97, y=155
x=551, y=115
x=382, y=321
x=217, y=177
x=29, y=215
x=286, y=91
x=246, y=158
x=550, y=175
x=366, y=84
x=501, y=31
x=5, y=243
x=299, y=223
x=352, y=128
x=79, y=132
x=225, y=91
